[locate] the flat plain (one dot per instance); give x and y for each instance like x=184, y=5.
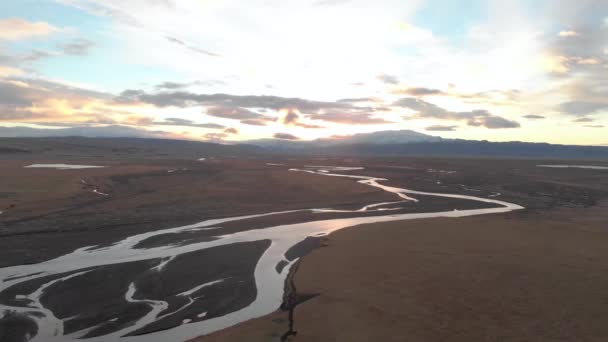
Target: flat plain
x=498, y=277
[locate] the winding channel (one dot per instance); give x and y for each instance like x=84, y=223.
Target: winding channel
x=23, y=288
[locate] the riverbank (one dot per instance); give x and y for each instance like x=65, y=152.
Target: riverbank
x=536, y=275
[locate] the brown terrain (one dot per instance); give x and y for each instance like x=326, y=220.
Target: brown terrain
x=537, y=274
x=520, y=276
x=142, y=196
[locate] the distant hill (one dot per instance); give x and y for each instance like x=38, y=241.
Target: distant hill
x=410, y=143
x=386, y=143
x=382, y=138
x=375, y=138
x=113, y=131
x=131, y=148
x=472, y=148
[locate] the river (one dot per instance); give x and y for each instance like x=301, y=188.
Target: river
x=25, y=289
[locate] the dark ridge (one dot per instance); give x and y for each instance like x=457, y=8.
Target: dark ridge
x=459, y=148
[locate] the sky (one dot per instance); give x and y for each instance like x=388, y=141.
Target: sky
x=233, y=70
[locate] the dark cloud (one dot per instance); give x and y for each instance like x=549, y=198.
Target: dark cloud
x=534, y=116
x=231, y=130
x=440, y=128
x=187, y=99
x=583, y=119
x=19, y=60
x=14, y=95
x=215, y=137
x=474, y=118
x=388, y=79
x=581, y=50
x=348, y=117
x=594, y=126
x=235, y=113
x=254, y=122
x=35, y=55
x=178, y=121
x=420, y=91
x=285, y=136
x=171, y=85
x=357, y=99
x=191, y=47
x=291, y=118
x=18, y=96
x=508, y=94
x=492, y=122
x=582, y=107
x=8, y=113
x=78, y=47
x=305, y=125
x=187, y=123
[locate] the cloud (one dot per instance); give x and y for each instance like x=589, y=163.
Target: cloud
x=221, y=136
x=188, y=123
x=346, y=117
x=235, y=113
x=285, y=136
x=16, y=29
x=419, y=91
x=568, y=34
x=35, y=55
x=138, y=120
x=45, y=102
x=78, y=47
x=171, y=85
x=534, y=116
x=292, y=118
x=357, y=99
x=594, y=126
x=492, y=122
x=191, y=47
x=15, y=94
x=254, y=122
x=580, y=55
x=582, y=107
x=187, y=99
x=388, y=79
x=441, y=128
x=215, y=137
x=476, y=118
x=239, y=107
x=8, y=71
x=305, y=125
x=583, y=120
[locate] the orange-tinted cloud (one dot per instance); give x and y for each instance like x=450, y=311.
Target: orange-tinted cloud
x=15, y=29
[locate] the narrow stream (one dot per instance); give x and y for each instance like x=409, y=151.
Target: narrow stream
x=25, y=288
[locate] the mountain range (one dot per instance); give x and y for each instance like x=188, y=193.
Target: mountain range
x=383, y=143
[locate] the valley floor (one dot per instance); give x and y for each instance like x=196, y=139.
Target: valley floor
x=533, y=275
